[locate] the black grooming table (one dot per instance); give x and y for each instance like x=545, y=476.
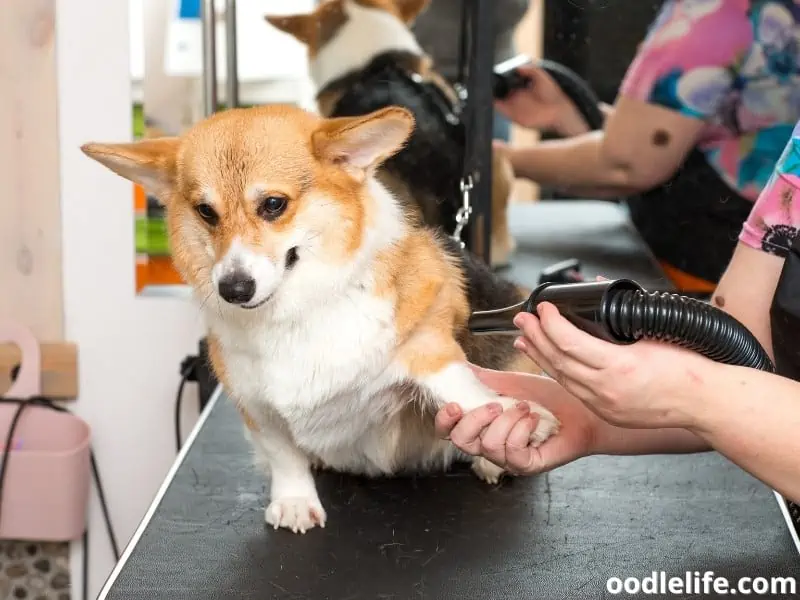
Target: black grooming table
x=554, y=536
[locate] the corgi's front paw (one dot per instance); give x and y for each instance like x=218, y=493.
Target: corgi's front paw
x=299, y=514
x=486, y=470
x=547, y=425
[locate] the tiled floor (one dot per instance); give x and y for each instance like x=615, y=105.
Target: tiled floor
x=34, y=571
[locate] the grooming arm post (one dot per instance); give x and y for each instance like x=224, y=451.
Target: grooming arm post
x=208, y=17
x=231, y=56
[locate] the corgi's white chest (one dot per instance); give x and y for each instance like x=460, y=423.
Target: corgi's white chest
x=326, y=374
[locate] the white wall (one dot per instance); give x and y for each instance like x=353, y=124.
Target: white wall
x=130, y=347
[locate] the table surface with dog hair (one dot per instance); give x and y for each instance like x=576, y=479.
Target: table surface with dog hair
x=558, y=535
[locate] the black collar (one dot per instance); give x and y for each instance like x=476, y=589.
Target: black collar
x=393, y=68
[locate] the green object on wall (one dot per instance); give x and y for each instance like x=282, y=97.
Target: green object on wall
x=138, y=121
x=151, y=230
x=151, y=237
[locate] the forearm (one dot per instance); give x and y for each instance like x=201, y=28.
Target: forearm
x=753, y=418
x=630, y=442
x=577, y=164
x=572, y=123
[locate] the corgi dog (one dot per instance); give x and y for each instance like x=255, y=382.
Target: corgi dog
x=363, y=57
x=336, y=322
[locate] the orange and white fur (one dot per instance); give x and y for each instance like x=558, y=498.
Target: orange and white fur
x=336, y=323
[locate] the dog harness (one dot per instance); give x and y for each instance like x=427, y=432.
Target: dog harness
x=433, y=156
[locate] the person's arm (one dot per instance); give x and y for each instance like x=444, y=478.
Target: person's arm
x=652, y=398
x=745, y=292
x=622, y=441
x=753, y=419
x=641, y=146
x=676, y=81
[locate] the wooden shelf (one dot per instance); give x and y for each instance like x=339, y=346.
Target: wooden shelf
x=59, y=369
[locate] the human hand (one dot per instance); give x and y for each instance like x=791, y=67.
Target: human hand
x=646, y=385
x=504, y=437
x=542, y=105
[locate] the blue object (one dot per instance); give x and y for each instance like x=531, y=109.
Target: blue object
x=501, y=128
x=189, y=9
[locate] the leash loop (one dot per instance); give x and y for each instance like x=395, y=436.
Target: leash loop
x=465, y=211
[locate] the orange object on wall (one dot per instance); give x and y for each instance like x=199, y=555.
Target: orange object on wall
x=151, y=270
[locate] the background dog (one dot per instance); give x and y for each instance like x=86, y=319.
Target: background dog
x=364, y=57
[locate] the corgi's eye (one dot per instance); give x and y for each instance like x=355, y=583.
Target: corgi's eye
x=208, y=214
x=272, y=207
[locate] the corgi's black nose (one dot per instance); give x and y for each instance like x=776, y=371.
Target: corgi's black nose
x=237, y=288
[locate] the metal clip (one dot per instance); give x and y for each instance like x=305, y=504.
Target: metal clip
x=464, y=213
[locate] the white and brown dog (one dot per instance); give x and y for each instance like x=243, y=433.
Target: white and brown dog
x=337, y=323
x=363, y=57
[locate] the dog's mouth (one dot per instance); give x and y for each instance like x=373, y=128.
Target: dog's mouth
x=290, y=260
x=254, y=305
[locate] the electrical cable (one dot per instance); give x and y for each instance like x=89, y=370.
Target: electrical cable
x=188, y=373
x=85, y=566
x=47, y=403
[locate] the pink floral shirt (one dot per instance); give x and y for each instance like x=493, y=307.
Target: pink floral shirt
x=733, y=64
x=774, y=221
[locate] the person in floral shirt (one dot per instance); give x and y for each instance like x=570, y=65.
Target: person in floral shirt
x=734, y=64
x=702, y=116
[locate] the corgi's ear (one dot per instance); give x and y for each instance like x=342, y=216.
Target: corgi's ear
x=150, y=162
x=409, y=10
x=361, y=143
x=301, y=27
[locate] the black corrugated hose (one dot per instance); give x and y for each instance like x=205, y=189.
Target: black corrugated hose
x=687, y=322
x=623, y=312
x=577, y=90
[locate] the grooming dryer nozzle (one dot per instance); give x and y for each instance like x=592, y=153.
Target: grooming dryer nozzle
x=584, y=304
x=495, y=322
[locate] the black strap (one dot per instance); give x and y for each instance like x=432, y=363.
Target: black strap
x=463, y=44
x=465, y=85
x=467, y=58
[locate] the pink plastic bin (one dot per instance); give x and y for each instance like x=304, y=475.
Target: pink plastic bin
x=46, y=488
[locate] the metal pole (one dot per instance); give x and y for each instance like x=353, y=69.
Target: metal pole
x=208, y=18
x=231, y=58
